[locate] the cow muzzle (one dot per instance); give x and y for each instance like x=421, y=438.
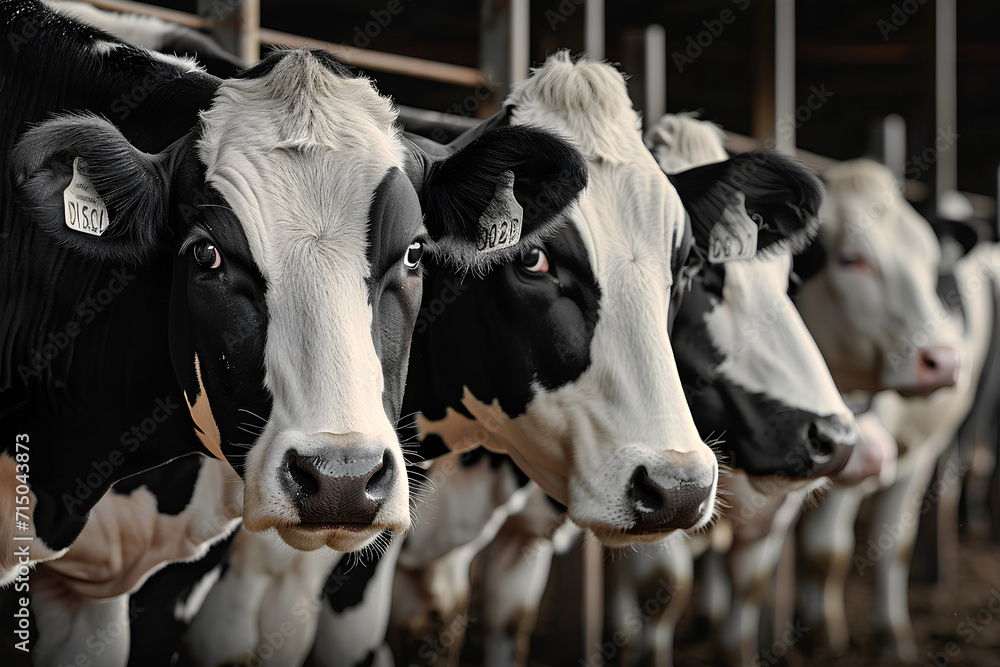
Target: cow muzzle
x=338, y=490
x=829, y=444
x=347, y=486
x=645, y=494
x=936, y=367
x=664, y=506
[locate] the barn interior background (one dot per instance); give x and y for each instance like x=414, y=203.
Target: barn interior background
x=914, y=83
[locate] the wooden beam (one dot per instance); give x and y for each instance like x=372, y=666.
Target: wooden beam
x=181, y=18
x=377, y=61
x=738, y=143
x=382, y=62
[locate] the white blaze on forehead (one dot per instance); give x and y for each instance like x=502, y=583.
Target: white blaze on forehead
x=766, y=344
x=628, y=406
x=681, y=141
x=297, y=154
x=264, y=139
x=865, y=212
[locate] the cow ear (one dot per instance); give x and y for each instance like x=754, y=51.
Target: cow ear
x=81, y=181
x=501, y=193
x=750, y=203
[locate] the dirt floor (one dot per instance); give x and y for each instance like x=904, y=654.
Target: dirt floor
x=941, y=617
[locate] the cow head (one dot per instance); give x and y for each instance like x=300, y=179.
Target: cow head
x=869, y=294
x=560, y=357
x=297, y=241
x=752, y=373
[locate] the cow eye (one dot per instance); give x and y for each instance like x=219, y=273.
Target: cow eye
x=413, y=255
x=856, y=261
x=535, y=261
x=206, y=255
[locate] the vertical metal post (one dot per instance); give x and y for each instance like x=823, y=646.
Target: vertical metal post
x=946, y=104
x=520, y=39
x=656, y=74
x=498, y=28
x=894, y=146
x=784, y=75
x=235, y=25
x=593, y=39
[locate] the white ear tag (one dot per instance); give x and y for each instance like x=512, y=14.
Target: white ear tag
x=83, y=208
x=735, y=236
x=500, y=224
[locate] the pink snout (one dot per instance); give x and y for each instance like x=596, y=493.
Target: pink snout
x=937, y=367
x=874, y=454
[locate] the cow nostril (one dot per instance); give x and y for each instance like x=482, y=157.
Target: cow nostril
x=379, y=485
x=929, y=362
x=819, y=444
x=646, y=497
x=304, y=482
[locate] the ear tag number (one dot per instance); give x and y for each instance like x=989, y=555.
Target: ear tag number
x=500, y=224
x=83, y=208
x=735, y=235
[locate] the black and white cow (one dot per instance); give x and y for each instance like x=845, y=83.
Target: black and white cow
x=879, y=254
x=568, y=367
x=155, y=34
x=751, y=371
x=174, y=240
x=560, y=357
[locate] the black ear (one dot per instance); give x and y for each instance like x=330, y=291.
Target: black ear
x=79, y=179
x=966, y=232
x=750, y=203
x=810, y=260
x=499, y=194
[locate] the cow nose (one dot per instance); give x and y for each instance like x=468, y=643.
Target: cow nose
x=344, y=485
x=829, y=443
x=937, y=367
x=658, y=508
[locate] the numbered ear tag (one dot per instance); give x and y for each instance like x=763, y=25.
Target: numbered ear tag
x=84, y=209
x=500, y=224
x=735, y=235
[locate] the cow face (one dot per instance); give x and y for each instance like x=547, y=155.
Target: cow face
x=561, y=358
x=296, y=283
x=870, y=301
x=752, y=373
